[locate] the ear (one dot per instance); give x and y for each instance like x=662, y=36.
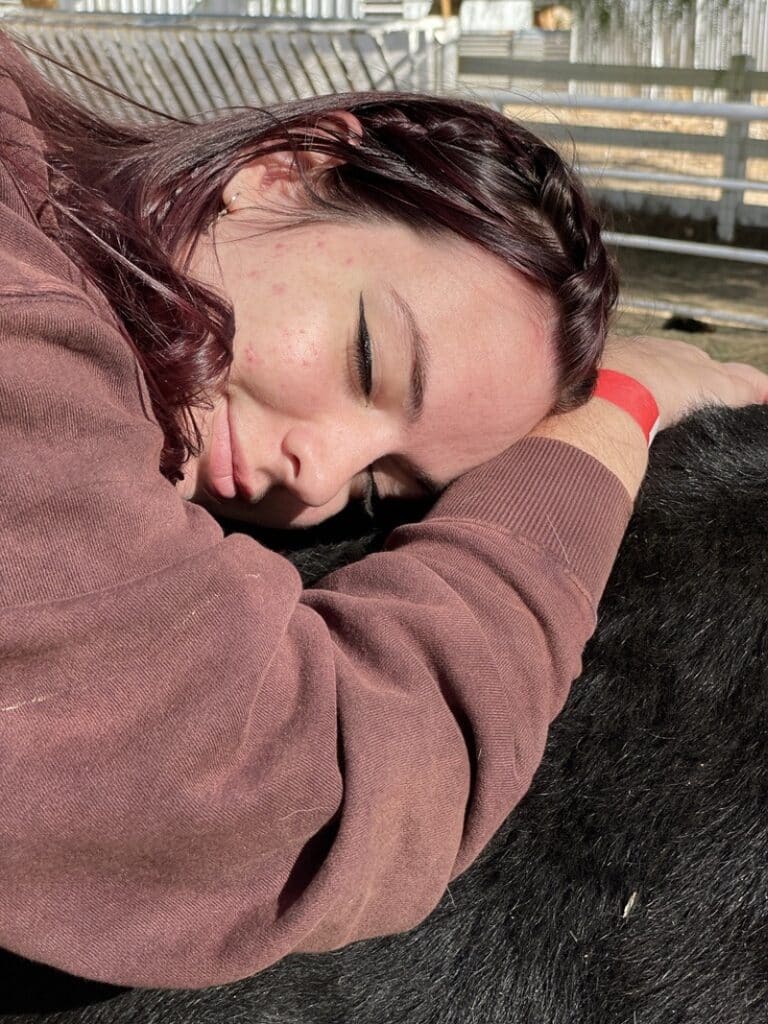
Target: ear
x=278, y=175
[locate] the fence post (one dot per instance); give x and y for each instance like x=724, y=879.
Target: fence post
x=734, y=147
x=434, y=47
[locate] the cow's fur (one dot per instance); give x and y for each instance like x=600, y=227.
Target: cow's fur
x=631, y=884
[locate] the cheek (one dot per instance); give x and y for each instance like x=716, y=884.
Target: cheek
x=301, y=348
x=286, y=366
x=469, y=424
x=287, y=342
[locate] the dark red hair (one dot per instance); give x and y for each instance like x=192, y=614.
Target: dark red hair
x=131, y=199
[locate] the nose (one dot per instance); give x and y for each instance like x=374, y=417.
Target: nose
x=316, y=466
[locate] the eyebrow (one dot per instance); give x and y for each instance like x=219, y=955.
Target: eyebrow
x=418, y=380
x=419, y=359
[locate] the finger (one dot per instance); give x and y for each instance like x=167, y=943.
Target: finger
x=755, y=379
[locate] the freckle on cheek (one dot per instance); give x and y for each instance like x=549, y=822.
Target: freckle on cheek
x=310, y=354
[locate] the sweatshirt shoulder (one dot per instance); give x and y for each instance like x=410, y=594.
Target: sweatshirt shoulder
x=56, y=344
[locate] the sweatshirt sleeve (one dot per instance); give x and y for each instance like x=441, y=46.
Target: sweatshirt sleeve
x=206, y=767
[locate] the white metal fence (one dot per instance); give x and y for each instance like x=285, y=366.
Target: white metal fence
x=530, y=45
x=334, y=10
x=552, y=84
x=318, y=9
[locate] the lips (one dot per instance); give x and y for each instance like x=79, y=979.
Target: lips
x=220, y=468
x=243, y=489
x=227, y=474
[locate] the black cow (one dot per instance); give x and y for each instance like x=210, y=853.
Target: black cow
x=631, y=884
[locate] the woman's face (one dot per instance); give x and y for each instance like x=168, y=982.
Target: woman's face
x=453, y=346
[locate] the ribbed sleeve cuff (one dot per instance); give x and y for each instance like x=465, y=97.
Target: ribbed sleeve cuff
x=554, y=495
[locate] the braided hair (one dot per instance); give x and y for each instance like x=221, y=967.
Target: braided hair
x=457, y=166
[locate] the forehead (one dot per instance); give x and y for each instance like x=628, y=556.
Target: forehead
x=468, y=296
x=486, y=326
x=463, y=297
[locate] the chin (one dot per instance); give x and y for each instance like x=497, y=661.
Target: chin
x=272, y=520
x=289, y=515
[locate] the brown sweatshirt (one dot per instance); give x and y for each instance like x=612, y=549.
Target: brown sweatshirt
x=203, y=766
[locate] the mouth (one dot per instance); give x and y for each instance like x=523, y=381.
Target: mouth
x=243, y=488
x=226, y=484
x=220, y=469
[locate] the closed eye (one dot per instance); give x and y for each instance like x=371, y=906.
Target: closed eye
x=364, y=366
x=363, y=363
x=363, y=354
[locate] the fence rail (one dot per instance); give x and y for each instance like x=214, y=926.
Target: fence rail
x=192, y=65
x=739, y=81
x=732, y=78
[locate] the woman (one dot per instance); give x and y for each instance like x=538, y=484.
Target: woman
x=205, y=766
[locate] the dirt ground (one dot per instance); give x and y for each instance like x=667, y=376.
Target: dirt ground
x=718, y=285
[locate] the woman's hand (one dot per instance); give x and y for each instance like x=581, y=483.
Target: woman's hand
x=682, y=377
x=679, y=376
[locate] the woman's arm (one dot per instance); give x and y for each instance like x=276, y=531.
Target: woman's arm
x=681, y=378
x=206, y=767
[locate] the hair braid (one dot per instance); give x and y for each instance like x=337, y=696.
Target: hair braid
x=499, y=185
x=588, y=294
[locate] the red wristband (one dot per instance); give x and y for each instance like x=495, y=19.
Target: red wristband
x=631, y=396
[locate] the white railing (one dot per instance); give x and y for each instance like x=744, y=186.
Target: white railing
x=736, y=147
x=318, y=9
x=339, y=10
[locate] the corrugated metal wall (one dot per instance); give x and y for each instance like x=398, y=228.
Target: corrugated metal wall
x=706, y=35
x=738, y=28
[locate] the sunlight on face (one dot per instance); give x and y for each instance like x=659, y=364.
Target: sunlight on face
x=363, y=348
